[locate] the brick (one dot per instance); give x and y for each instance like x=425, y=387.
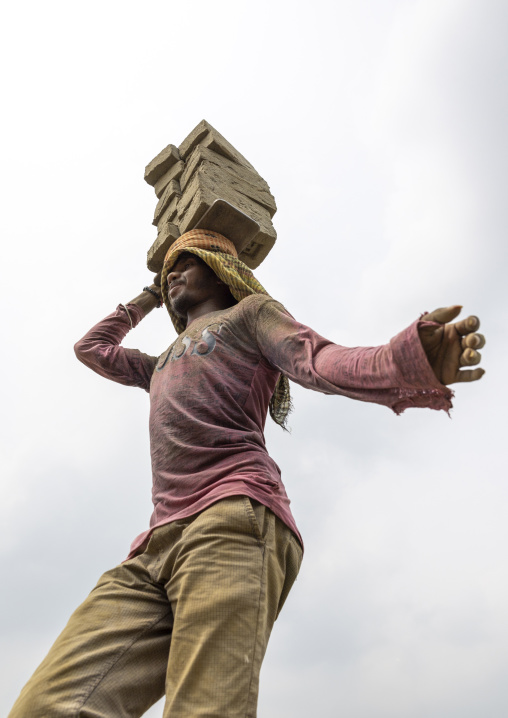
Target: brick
x=252, y=246
x=172, y=190
x=208, y=168
x=202, y=152
x=259, y=246
x=192, y=206
x=257, y=250
x=224, y=218
x=169, y=214
x=161, y=164
x=205, y=134
x=241, y=179
x=158, y=250
x=210, y=187
x=174, y=172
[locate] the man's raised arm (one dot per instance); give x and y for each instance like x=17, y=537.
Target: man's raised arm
x=100, y=348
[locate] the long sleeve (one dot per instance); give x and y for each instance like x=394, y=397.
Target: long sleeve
x=100, y=350
x=396, y=374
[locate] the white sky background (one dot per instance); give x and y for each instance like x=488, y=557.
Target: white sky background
x=381, y=129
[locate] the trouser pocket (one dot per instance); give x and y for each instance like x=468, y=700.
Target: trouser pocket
x=260, y=518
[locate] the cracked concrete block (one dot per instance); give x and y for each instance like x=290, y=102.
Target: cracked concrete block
x=205, y=134
x=243, y=180
x=174, y=173
x=158, y=250
x=172, y=190
x=161, y=164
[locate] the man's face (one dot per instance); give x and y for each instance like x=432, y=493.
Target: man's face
x=191, y=283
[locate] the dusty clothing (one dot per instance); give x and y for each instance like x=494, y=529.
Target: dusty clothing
x=189, y=613
x=210, y=390
x=220, y=254
x=209, y=587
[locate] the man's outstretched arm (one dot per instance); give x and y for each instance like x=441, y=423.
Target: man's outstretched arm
x=400, y=374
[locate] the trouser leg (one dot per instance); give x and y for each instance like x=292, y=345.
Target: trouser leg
x=111, y=658
x=212, y=586
x=229, y=574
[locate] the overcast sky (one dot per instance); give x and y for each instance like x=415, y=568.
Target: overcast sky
x=380, y=126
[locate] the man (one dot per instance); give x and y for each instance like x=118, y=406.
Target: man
x=189, y=613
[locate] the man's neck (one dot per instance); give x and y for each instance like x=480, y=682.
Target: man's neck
x=207, y=307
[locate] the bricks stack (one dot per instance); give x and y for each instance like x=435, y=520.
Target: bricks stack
x=188, y=180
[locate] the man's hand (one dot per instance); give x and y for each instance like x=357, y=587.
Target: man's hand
x=451, y=346
x=148, y=300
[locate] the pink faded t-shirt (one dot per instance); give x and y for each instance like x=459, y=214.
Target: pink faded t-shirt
x=209, y=396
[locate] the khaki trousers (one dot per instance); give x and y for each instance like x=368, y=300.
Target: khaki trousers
x=189, y=617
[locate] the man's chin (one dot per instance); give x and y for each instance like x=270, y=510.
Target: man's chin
x=178, y=307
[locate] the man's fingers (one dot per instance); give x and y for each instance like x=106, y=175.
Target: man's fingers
x=469, y=375
x=443, y=315
x=470, y=357
x=468, y=325
x=473, y=341
x=453, y=346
